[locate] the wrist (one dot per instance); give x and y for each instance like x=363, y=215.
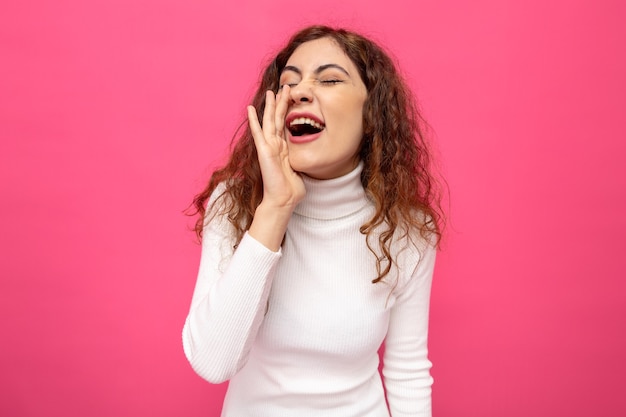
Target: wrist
x=275, y=210
x=269, y=224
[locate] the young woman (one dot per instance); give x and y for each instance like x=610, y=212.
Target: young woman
x=319, y=238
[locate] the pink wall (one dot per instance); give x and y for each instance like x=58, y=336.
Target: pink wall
x=111, y=113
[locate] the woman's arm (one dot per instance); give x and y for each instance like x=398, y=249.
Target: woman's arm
x=228, y=303
x=231, y=293
x=406, y=368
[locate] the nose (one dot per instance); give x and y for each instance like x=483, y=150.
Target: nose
x=301, y=93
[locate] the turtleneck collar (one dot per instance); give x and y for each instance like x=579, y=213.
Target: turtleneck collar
x=331, y=199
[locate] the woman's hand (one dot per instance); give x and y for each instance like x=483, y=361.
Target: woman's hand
x=282, y=187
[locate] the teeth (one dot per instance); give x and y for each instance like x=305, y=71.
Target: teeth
x=306, y=121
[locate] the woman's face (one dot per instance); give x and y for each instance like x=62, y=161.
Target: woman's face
x=324, y=122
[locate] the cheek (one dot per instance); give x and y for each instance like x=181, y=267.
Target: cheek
x=352, y=111
x=357, y=119
x=344, y=115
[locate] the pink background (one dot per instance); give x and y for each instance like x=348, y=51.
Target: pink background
x=112, y=113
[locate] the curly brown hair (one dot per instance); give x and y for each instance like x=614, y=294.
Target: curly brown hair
x=397, y=174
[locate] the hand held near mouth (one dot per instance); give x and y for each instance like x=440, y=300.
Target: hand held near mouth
x=283, y=188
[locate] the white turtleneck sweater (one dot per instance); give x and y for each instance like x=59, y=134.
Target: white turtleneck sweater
x=297, y=331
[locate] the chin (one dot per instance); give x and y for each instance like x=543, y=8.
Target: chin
x=319, y=173
x=302, y=165
x=317, y=169
x=310, y=170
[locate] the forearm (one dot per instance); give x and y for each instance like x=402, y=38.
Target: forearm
x=228, y=310
x=408, y=383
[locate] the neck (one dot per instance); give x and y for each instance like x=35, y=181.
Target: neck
x=337, y=197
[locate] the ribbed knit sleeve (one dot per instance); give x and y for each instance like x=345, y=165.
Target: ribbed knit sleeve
x=406, y=367
x=228, y=303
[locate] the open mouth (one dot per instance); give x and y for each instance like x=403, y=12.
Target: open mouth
x=301, y=126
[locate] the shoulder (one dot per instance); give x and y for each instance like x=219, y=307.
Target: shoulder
x=216, y=200
x=221, y=202
x=219, y=236
x=414, y=255
x=410, y=248
x=219, y=205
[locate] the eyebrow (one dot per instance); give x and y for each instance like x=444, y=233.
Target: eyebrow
x=317, y=70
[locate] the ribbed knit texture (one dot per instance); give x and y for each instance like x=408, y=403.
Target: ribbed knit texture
x=297, y=331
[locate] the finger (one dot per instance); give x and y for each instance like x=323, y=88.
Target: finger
x=269, y=127
x=281, y=111
x=255, y=127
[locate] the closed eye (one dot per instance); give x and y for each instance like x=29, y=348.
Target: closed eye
x=331, y=82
